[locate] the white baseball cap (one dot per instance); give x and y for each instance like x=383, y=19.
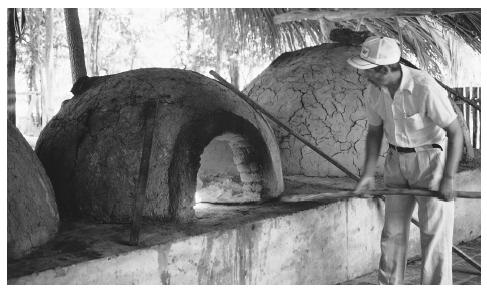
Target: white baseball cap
x=376, y=51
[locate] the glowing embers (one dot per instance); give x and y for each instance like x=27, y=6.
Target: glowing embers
x=229, y=172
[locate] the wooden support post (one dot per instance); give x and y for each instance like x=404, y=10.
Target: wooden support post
x=474, y=118
x=149, y=111
x=315, y=192
x=480, y=118
x=462, y=104
x=468, y=113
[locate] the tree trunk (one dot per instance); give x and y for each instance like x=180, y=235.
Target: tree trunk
x=189, y=18
x=43, y=95
x=219, y=50
x=30, y=111
x=47, y=79
x=93, y=38
x=233, y=67
x=11, y=55
x=34, y=105
x=34, y=79
x=133, y=56
x=75, y=44
x=234, y=73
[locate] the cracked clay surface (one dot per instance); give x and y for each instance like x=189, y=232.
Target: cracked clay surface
x=321, y=97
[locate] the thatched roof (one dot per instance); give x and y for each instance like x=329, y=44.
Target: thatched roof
x=421, y=30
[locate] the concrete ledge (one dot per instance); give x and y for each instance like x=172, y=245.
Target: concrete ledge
x=314, y=246
x=273, y=243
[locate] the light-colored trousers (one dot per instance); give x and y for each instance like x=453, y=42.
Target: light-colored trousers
x=422, y=169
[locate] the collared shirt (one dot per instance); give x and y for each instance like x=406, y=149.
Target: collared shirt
x=417, y=113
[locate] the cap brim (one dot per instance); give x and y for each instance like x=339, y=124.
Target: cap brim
x=359, y=63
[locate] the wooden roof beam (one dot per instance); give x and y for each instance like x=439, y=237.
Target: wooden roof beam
x=358, y=13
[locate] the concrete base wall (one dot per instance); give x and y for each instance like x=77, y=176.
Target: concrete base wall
x=325, y=245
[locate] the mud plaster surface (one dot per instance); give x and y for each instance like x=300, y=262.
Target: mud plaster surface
x=91, y=149
x=32, y=213
x=83, y=241
x=321, y=97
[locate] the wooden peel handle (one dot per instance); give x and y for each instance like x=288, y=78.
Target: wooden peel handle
x=421, y=192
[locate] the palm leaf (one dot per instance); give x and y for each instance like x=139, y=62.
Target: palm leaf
x=254, y=29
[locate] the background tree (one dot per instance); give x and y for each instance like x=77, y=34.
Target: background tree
x=47, y=76
x=94, y=27
x=30, y=61
x=36, y=61
x=11, y=54
x=119, y=40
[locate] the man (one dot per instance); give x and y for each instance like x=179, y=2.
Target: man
x=414, y=112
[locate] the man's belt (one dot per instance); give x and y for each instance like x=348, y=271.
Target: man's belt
x=416, y=149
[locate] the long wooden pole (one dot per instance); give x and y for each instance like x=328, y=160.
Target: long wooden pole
x=315, y=192
x=257, y=107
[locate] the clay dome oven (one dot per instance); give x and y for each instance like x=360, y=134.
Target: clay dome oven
x=92, y=148
x=32, y=213
x=321, y=97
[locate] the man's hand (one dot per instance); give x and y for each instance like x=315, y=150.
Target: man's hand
x=446, y=192
x=365, y=183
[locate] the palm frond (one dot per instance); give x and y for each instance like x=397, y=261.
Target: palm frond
x=422, y=36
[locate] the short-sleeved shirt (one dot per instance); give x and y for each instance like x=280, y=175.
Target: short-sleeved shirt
x=417, y=114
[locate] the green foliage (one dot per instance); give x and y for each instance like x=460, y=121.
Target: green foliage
x=31, y=44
